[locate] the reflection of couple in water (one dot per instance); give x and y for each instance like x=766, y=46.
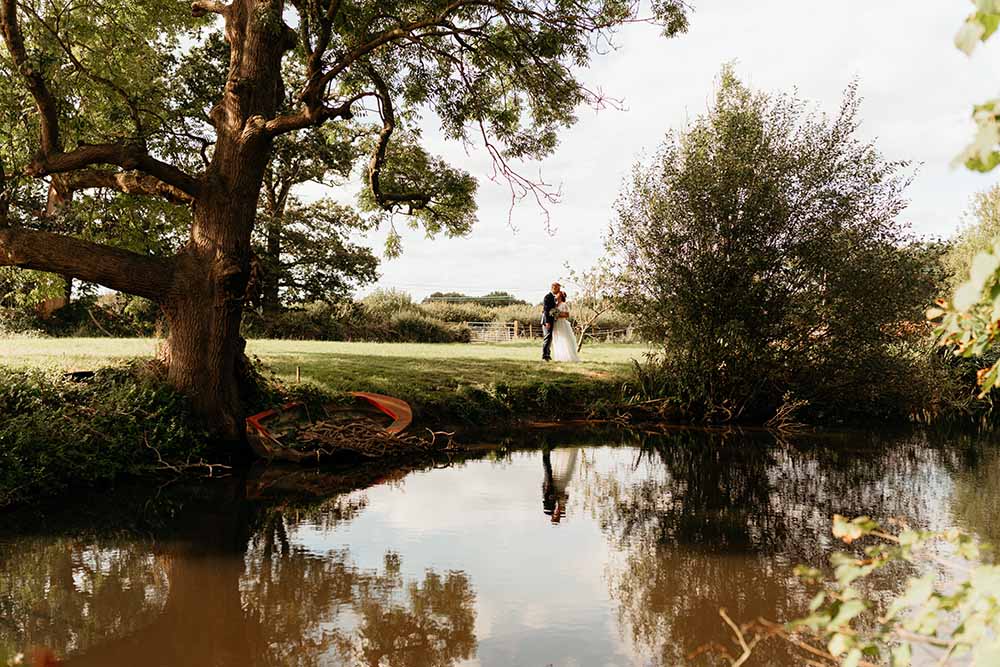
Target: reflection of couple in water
x=559, y=466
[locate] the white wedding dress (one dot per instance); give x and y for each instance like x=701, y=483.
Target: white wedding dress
x=563, y=338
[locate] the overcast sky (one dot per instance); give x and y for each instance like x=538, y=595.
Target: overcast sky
x=917, y=88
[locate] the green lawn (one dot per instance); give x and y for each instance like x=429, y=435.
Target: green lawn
x=436, y=379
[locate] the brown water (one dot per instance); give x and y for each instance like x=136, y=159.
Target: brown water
x=595, y=550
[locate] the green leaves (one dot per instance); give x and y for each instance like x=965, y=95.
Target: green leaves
x=979, y=26
x=744, y=318
x=971, y=322
x=981, y=154
x=925, y=613
x=424, y=188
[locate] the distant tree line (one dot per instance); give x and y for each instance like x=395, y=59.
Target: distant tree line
x=492, y=299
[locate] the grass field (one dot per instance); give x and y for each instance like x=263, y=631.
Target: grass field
x=447, y=381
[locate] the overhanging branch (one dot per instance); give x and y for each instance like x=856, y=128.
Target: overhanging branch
x=131, y=182
x=130, y=157
x=52, y=159
x=115, y=268
x=310, y=116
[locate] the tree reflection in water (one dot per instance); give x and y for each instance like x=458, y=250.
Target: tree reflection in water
x=74, y=593
x=976, y=502
x=235, y=592
x=708, y=520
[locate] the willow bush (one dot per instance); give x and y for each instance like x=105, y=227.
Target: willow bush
x=766, y=259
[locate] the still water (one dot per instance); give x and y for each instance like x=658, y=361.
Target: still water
x=585, y=549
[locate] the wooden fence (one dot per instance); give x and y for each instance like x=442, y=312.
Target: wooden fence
x=501, y=332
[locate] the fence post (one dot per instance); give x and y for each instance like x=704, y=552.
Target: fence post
x=517, y=332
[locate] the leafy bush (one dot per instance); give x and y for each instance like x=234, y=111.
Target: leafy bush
x=766, y=259
x=411, y=327
x=56, y=432
x=383, y=304
x=92, y=316
x=353, y=321
x=524, y=315
x=18, y=322
x=314, y=321
x=847, y=624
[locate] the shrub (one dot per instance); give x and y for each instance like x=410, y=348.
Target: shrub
x=354, y=321
x=384, y=304
x=56, y=433
x=314, y=321
x=19, y=322
x=118, y=315
x=458, y=312
x=524, y=315
x=319, y=320
x=766, y=258
x=411, y=327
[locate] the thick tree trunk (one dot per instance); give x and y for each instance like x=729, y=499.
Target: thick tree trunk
x=204, y=350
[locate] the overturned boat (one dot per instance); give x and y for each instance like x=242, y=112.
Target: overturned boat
x=374, y=427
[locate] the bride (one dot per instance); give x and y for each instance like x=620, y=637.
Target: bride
x=563, y=338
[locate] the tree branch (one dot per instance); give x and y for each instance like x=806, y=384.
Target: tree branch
x=51, y=158
x=200, y=8
x=44, y=101
x=312, y=115
x=104, y=81
x=130, y=157
x=388, y=126
x=394, y=34
x=115, y=268
x=135, y=183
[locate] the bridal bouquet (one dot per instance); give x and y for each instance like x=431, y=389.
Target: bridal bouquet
x=554, y=313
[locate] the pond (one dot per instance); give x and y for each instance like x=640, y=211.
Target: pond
x=595, y=548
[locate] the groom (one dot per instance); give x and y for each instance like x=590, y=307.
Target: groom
x=548, y=322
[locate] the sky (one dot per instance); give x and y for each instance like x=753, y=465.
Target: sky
x=918, y=91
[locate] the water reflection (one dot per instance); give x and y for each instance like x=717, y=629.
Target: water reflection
x=453, y=566
x=704, y=521
x=555, y=484
x=322, y=609
x=237, y=591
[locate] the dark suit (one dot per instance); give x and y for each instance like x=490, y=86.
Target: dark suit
x=548, y=324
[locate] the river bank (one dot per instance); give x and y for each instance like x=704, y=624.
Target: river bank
x=59, y=433
x=446, y=384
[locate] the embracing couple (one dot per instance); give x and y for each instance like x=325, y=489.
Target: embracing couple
x=559, y=342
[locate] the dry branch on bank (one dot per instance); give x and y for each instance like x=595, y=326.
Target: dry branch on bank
x=331, y=439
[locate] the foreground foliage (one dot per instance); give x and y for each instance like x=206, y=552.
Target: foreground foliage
x=957, y=616
x=56, y=433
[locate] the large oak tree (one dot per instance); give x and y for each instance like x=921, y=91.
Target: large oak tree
x=97, y=80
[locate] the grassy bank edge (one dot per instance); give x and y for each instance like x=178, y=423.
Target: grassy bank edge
x=58, y=434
